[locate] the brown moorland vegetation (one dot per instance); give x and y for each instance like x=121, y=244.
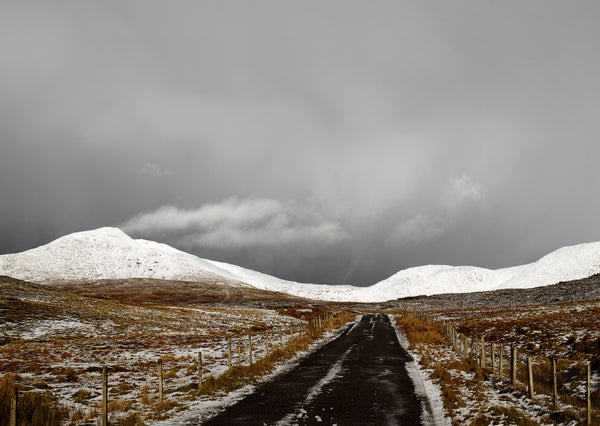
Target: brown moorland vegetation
x=53, y=345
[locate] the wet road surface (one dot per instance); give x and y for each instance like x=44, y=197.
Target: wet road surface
x=357, y=379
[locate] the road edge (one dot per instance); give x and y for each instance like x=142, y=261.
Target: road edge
x=433, y=412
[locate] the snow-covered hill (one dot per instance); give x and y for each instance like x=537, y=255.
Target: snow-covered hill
x=109, y=253
x=105, y=253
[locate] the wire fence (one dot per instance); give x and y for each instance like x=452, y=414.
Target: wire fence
x=554, y=384
x=244, y=357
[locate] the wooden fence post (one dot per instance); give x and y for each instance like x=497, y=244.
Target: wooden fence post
x=493, y=352
x=513, y=364
x=104, y=395
x=483, y=356
x=554, y=384
x=160, y=380
x=268, y=345
x=530, y=378
x=14, y=406
x=239, y=353
x=250, y=348
x=589, y=394
x=229, y=351
x=281, y=337
x=501, y=354
x=199, y=370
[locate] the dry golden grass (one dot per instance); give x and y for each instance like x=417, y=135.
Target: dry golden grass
x=82, y=395
x=35, y=407
x=508, y=415
x=418, y=331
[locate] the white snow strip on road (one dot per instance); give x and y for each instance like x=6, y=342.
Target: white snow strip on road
x=358, y=319
x=333, y=371
x=316, y=389
x=433, y=412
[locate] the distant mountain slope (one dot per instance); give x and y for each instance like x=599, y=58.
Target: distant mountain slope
x=106, y=253
x=567, y=263
x=109, y=254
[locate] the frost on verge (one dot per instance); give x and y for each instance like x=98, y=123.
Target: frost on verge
x=430, y=395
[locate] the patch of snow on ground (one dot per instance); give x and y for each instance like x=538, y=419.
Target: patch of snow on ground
x=433, y=412
x=47, y=328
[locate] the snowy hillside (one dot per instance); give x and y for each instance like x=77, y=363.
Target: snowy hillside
x=567, y=263
x=109, y=253
x=105, y=253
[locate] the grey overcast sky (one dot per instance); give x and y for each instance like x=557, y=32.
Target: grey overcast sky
x=319, y=141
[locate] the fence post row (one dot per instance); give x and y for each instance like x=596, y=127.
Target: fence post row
x=475, y=348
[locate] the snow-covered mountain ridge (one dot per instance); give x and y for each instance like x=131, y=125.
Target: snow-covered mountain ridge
x=109, y=253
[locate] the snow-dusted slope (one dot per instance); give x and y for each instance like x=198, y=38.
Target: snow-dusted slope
x=567, y=263
x=108, y=253
x=564, y=264
x=105, y=253
x=310, y=291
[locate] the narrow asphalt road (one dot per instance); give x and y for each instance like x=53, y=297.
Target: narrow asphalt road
x=357, y=379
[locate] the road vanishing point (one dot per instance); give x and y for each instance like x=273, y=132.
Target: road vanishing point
x=359, y=378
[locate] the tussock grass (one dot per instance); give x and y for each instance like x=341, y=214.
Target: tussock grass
x=507, y=415
x=418, y=331
x=35, y=408
x=132, y=419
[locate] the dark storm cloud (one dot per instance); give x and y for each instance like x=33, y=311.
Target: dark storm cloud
x=353, y=138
